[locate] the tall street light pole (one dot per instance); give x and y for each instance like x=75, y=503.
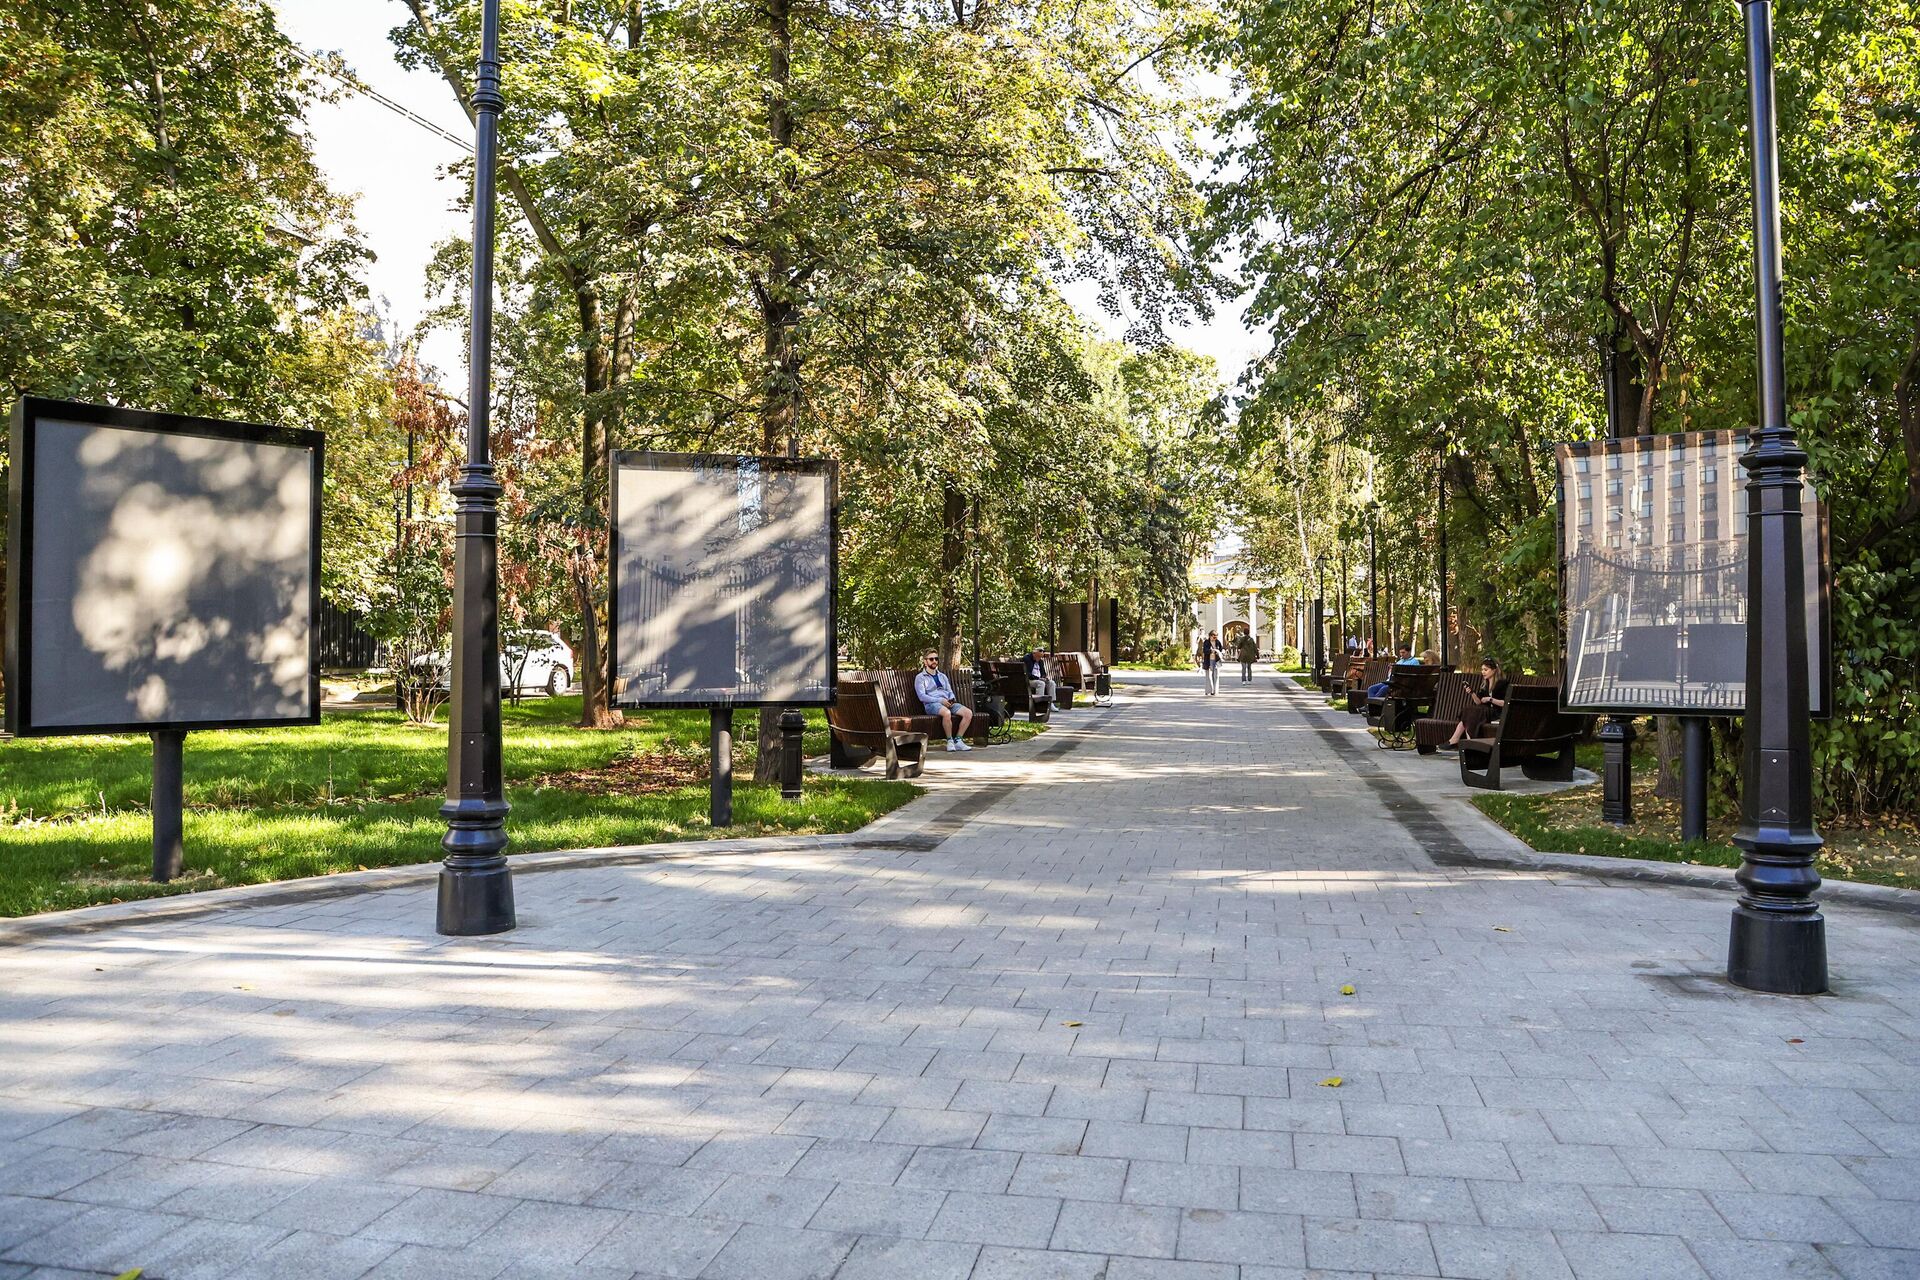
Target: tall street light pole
x=476, y=889
x=1778, y=941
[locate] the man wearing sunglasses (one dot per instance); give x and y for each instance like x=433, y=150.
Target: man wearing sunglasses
x=936, y=695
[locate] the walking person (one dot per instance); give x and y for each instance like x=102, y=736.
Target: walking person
x=937, y=698
x=1211, y=653
x=1249, y=654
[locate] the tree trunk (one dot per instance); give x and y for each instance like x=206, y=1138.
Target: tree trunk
x=953, y=556
x=779, y=311
x=1668, y=744
x=596, y=375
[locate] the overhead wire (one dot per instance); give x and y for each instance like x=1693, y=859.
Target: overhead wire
x=354, y=84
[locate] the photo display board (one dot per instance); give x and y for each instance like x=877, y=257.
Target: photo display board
x=1653, y=577
x=164, y=572
x=724, y=573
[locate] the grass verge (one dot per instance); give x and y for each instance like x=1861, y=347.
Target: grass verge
x=361, y=789
x=1569, y=822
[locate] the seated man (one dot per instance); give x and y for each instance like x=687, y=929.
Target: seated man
x=937, y=698
x=1039, y=684
x=1406, y=659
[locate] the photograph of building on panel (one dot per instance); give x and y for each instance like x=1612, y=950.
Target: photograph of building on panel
x=723, y=590
x=1654, y=545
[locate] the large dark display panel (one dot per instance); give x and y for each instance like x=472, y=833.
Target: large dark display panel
x=723, y=582
x=165, y=572
x=1653, y=576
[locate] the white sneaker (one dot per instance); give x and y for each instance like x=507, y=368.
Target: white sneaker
x=961, y=744
x=953, y=744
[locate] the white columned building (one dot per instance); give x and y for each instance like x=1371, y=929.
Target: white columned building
x=1227, y=599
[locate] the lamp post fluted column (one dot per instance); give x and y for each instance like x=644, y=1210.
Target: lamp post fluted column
x=476, y=889
x=1778, y=940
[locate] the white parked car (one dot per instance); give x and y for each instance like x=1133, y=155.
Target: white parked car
x=529, y=660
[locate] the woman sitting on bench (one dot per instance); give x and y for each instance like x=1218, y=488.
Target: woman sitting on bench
x=1484, y=707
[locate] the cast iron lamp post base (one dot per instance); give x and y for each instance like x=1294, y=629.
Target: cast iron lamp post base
x=476, y=889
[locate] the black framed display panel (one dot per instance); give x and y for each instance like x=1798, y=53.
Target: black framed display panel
x=1657, y=654
x=631, y=692
x=33, y=418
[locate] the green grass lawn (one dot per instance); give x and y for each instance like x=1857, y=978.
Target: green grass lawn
x=362, y=789
x=1568, y=821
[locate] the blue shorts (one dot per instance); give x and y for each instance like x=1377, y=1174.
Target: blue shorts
x=935, y=708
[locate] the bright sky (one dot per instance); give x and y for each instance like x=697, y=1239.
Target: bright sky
x=406, y=204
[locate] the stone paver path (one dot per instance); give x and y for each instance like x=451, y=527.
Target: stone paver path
x=1092, y=1024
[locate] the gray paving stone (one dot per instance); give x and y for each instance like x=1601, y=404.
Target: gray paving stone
x=1213, y=1235
x=1758, y=1216
x=1549, y=1205
x=1041, y=1134
x=1660, y=1211
x=1138, y=1231
x=1038, y=1264
x=1069, y=1177
x=1245, y=1147
x=870, y=1210
x=208, y=1250
x=1499, y=1253
x=834, y=1160
x=659, y=1189
x=1348, y=1154
x=954, y=1169
x=1122, y=1140
x=48, y=1171
x=1620, y=1256
x=439, y=1219
x=1019, y=1221
x=310, y=1255
x=1729, y=1259
x=552, y=1232
x=334, y=1206
x=1415, y=1199
x=771, y=1253
x=661, y=1245
x=1359, y=1244
x=1871, y=1264
x=102, y=1239
x=1184, y=1186
x=417, y=1262
x=876, y=1258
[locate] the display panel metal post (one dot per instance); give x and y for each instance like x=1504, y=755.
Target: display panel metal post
x=1697, y=759
x=1617, y=734
x=720, y=767
x=793, y=727
x=476, y=889
x=168, y=804
x=1778, y=938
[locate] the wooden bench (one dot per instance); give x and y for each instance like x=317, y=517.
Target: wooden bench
x=1373, y=672
x=1533, y=733
x=904, y=711
x=1450, y=702
x=1089, y=675
x=1008, y=676
x=859, y=731
x=1409, y=695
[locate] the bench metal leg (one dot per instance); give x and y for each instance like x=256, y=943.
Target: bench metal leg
x=1487, y=779
x=913, y=754
x=842, y=755
x=1557, y=767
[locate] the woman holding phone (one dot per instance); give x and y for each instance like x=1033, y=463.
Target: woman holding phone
x=1485, y=705
x=1211, y=652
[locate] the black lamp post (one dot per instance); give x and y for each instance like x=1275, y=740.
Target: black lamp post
x=1778, y=941
x=476, y=889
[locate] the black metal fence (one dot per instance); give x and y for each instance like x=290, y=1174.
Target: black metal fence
x=344, y=643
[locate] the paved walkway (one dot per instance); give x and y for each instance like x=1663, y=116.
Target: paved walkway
x=1089, y=1023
